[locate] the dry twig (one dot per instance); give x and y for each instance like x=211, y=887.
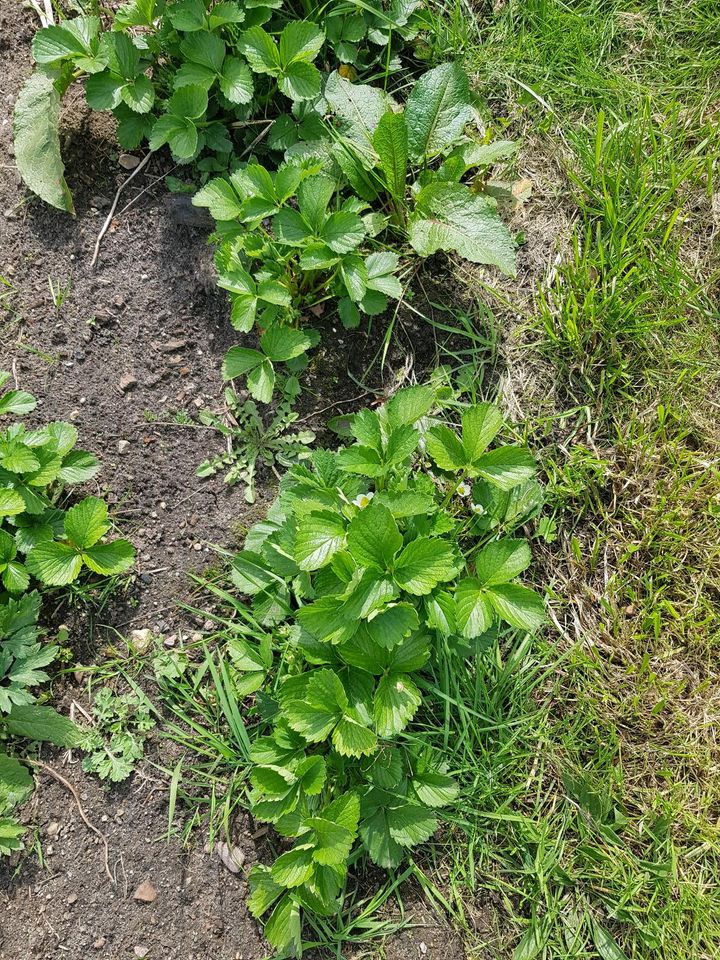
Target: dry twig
x=91, y=826
x=108, y=220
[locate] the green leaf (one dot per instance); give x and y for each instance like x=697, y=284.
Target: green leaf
x=109, y=559
x=507, y=467
x=408, y=405
x=78, y=467
x=359, y=106
x=343, y=231
x=434, y=789
x=319, y=537
x=502, y=560
x=138, y=13
x=204, y=48
x=353, y=739
x=390, y=626
x=423, y=564
x=178, y=132
x=55, y=564
x=333, y=841
x=16, y=784
x=322, y=706
x=37, y=141
x=102, y=90
x=43, y=724
x=285, y=343
x=391, y=143
x=300, y=41
x=300, y=81
x=605, y=944
x=250, y=573
x=236, y=81
x=11, y=503
x=264, y=891
x=473, y=611
x=226, y=12
x=380, y=268
x=373, y=537
x=519, y=606
x=261, y=381
x=445, y=448
x=15, y=577
x=18, y=402
x=411, y=824
x=221, y=200
x=396, y=700
x=194, y=74
x=187, y=15
x=55, y=42
x=437, y=110
x=480, y=425
x=260, y=51
x=190, y=102
x=311, y=772
x=375, y=833
x=86, y=522
x=283, y=929
x=239, y=361
x=293, y=868
x=449, y=216
x=139, y=95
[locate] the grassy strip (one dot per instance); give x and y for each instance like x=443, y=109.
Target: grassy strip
x=594, y=811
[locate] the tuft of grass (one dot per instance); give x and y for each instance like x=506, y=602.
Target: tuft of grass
x=606, y=313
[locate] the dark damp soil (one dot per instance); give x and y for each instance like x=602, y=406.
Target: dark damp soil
x=134, y=346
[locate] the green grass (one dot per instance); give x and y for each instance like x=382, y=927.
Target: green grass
x=594, y=804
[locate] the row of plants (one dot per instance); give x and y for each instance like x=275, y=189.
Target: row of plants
x=42, y=545
x=328, y=185
x=373, y=560
x=327, y=174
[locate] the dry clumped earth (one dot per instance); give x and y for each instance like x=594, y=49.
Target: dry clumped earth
x=136, y=339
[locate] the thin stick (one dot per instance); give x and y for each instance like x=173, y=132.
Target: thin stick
x=256, y=141
x=145, y=189
x=108, y=220
x=338, y=403
x=68, y=786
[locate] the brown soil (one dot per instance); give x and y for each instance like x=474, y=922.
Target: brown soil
x=148, y=312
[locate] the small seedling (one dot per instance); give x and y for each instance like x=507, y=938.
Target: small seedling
x=115, y=742
x=59, y=292
x=250, y=439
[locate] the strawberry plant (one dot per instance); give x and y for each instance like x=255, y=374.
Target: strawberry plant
x=373, y=559
x=195, y=75
x=40, y=539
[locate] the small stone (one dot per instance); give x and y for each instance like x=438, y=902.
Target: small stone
x=142, y=639
x=53, y=829
x=197, y=547
x=100, y=943
x=145, y=893
x=123, y=445
x=128, y=162
x=199, y=402
x=232, y=857
x=71, y=899
x=127, y=382
x=423, y=947
x=141, y=952
x=170, y=641
x=173, y=345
